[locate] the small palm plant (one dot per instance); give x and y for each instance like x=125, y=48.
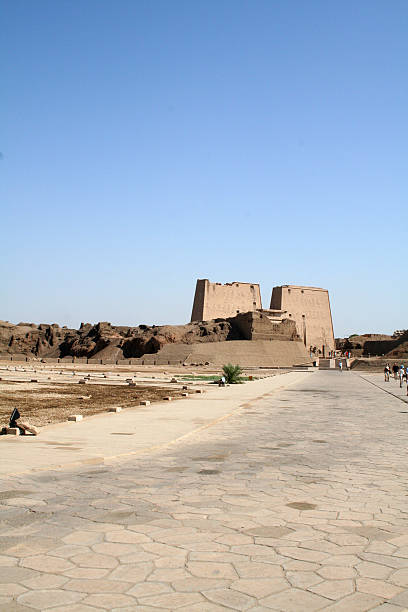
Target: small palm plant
x=232, y=374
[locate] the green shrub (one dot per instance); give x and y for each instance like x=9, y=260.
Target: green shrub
x=232, y=374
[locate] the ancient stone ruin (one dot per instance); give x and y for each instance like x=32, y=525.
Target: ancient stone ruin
x=392, y=347
x=215, y=301
x=228, y=325
x=307, y=307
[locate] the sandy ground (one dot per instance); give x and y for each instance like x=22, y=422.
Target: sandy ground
x=47, y=393
x=47, y=404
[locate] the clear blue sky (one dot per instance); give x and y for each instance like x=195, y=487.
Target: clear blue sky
x=150, y=143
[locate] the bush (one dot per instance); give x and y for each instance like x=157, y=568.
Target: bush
x=232, y=374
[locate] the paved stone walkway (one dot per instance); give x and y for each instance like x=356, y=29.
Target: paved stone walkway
x=104, y=437
x=297, y=502
x=392, y=386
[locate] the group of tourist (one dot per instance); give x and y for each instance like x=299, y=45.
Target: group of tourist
x=399, y=372
x=334, y=354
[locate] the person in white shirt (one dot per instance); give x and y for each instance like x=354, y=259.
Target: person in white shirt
x=401, y=374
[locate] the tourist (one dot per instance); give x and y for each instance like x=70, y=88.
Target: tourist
x=395, y=369
x=341, y=365
x=222, y=381
x=401, y=374
x=387, y=371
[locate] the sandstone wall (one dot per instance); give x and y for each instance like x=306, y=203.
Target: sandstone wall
x=258, y=326
x=310, y=308
x=216, y=301
x=255, y=353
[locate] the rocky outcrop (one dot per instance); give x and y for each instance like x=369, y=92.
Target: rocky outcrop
x=375, y=344
x=28, y=338
x=104, y=339
x=107, y=341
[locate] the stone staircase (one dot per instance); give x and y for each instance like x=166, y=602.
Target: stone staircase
x=333, y=364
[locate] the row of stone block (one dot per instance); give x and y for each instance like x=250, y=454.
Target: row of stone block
x=79, y=417
x=14, y=431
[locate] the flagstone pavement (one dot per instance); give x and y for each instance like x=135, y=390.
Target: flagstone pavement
x=297, y=502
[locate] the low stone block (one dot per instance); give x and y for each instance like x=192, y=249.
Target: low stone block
x=75, y=417
x=115, y=409
x=174, y=380
x=199, y=391
x=81, y=382
x=132, y=384
x=13, y=431
x=168, y=398
x=145, y=403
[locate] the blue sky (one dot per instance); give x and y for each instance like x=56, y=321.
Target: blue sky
x=150, y=143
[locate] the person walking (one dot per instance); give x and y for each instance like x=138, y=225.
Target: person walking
x=401, y=374
x=395, y=369
x=387, y=371
x=341, y=365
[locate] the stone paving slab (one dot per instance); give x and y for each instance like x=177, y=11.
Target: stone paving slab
x=295, y=503
x=109, y=435
x=392, y=386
